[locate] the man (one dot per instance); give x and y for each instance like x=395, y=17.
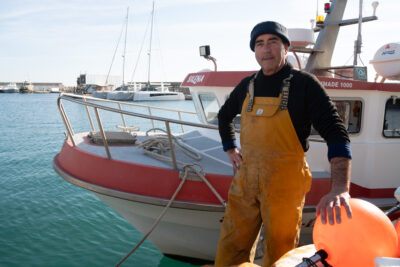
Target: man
x=277, y=105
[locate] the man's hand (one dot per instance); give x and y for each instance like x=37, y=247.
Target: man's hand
x=331, y=201
x=339, y=194
x=235, y=157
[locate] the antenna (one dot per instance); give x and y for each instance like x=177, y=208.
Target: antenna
x=375, y=4
x=358, y=42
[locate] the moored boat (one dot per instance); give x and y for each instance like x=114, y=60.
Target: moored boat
x=10, y=88
x=157, y=94
x=26, y=87
x=139, y=172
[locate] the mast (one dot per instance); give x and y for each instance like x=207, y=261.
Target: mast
x=116, y=49
x=123, y=55
x=326, y=40
x=319, y=62
x=151, y=37
x=358, y=42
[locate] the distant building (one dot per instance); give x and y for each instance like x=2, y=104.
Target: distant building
x=39, y=86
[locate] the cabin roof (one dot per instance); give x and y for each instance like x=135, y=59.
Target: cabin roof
x=232, y=78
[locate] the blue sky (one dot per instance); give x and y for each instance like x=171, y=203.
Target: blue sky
x=55, y=40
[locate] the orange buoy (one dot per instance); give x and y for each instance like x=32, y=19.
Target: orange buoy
x=359, y=240
x=397, y=227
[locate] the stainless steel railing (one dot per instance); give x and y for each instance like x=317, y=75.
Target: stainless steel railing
x=83, y=100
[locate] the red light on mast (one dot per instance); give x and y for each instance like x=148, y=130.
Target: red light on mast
x=327, y=7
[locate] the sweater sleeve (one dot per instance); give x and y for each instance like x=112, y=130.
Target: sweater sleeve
x=326, y=120
x=228, y=111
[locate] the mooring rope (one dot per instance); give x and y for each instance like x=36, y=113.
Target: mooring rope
x=161, y=144
x=158, y=220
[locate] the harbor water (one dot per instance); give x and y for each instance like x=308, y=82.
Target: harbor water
x=46, y=221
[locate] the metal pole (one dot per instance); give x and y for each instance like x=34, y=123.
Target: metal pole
x=66, y=122
x=90, y=117
x=103, y=135
x=180, y=118
x=123, y=62
x=358, y=42
x=171, y=144
x=152, y=121
x=122, y=116
x=151, y=37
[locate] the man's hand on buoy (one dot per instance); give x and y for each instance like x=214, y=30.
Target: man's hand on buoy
x=329, y=206
x=339, y=194
x=235, y=157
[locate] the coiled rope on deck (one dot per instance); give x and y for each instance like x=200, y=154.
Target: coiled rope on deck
x=161, y=144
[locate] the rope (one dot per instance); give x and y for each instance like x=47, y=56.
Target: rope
x=158, y=219
x=161, y=144
x=203, y=178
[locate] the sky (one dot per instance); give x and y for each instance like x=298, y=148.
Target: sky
x=57, y=40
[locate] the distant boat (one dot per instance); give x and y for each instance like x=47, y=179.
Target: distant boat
x=26, y=87
x=150, y=93
x=122, y=93
x=10, y=88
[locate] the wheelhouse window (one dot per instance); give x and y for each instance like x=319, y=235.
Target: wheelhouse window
x=391, y=125
x=210, y=107
x=350, y=111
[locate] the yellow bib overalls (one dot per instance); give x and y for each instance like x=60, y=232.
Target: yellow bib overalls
x=270, y=185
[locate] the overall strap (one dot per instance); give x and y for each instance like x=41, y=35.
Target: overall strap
x=285, y=92
x=251, y=92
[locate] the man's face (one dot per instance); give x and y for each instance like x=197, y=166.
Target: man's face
x=270, y=53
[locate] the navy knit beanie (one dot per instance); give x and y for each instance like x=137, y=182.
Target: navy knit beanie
x=270, y=27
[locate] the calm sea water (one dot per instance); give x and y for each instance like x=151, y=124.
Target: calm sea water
x=44, y=220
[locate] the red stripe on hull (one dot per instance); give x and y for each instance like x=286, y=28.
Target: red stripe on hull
x=359, y=191
x=162, y=182
x=321, y=186
x=137, y=178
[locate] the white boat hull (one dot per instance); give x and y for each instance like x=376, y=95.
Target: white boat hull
x=100, y=94
x=10, y=90
x=157, y=96
x=183, y=232
x=120, y=95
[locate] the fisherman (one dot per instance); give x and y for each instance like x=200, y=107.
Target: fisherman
x=278, y=105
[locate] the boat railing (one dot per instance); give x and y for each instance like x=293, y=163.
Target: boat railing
x=91, y=102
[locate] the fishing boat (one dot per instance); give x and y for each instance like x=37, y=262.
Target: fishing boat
x=170, y=178
x=26, y=87
x=10, y=88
